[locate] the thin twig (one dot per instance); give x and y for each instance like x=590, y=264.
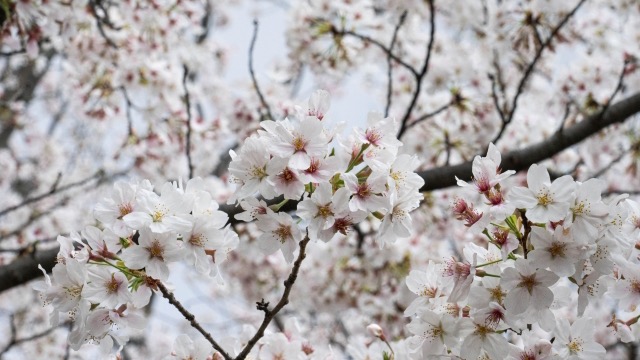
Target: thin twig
x=99, y=174
x=187, y=103
x=127, y=100
x=529, y=71
x=609, y=165
x=284, y=300
x=15, y=341
x=429, y=115
x=269, y=115
x=191, y=318
x=13, y=52
x=380, y=45
x=403, y=16
x=100, y=21
x=420, y=76
x=567, y=112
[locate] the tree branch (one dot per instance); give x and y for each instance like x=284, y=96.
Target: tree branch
x=25, y=269
x=403, y=16
x=442, y=177
x=420, y=76
x=192, y=319
x=100, y=175
x=506, y=118
x=269, y=315
x=187, y=104
x=253, y=74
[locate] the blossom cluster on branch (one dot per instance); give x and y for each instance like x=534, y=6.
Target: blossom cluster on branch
x=104, y=274
x=552, y=249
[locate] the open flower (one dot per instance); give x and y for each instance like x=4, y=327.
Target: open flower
x=153, y=253
x=527, y=287
x=106, y=288
x=544, y=201
x=279, y=233
x=576, y=341
x=486, y=171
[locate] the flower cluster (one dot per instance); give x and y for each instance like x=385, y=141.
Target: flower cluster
x=105, y=274
x=337, y=181
x=552, y=249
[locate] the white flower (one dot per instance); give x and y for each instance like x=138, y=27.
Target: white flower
x=161, y=213
x=186, y=349
x=205, y=235
x=535, y=348
x=432, y=332
x=102, y=325
x=428, y=285
x=587, y=212
x=296, y=141
x=482, y=337
x=342, y=224
x=556, y=251
x=252, y=208
x=319, y=104
x=402, y=174
x=381, y=132
x=543, y=200
x=576, y=342
x=480, y=296
x=153, y=253
x=249, y=170
x=279, y=233
x=106, y=288
x=285, y=180
x=103, y=243
x=277, y=346
x=320, y=209
x=486, y=171
x=320, y=170
x=462, y=274
x=118, y=203
x=627, y=288
x=396, y=223
x=527, y=287
x=64, y=289
x=366, y=195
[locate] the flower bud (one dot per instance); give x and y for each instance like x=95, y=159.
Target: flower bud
x=376, y=330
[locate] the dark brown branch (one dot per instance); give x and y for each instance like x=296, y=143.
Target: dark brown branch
x=60, y=189
x=129, y=104
x=15, y=341
x=529, y=71
x=403, y=16
x=14, y=52
x=284, y=300
x=100, y=175
x=265, y=105
x=377, y=43
x=187, y=104
x=423, y=72
x=609, y=165
x=102, y=21
x=25, y=269
x=429, y=115
x=35, y=215
x=442, y=177
x=192, y=319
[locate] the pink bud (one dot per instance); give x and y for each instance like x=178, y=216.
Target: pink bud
x=375, y=330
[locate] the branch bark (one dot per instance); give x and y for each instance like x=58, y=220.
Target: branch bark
x=521, y=159
x=25, y=268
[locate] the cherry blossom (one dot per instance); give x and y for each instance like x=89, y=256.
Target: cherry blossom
x=544, y=200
